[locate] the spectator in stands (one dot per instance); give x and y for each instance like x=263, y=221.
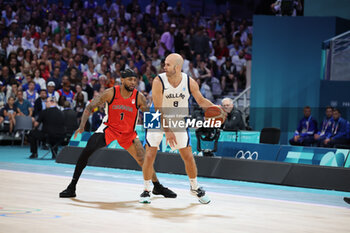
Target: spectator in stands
x=110, y=79
x=40, y=103
x=29, y=78
x=70, y=118
x=12, y=90
x=179, y=10
x=2, y=117
x=199, y=43
x=23, y=105
x=153, y=4
x=66, y=90
x=79, y=89
x=79, y=105
x=10, y=112
x=27, y=41
x=44, y=70
x=167, y=42
x=51, y=90
x=241, y=33
x=147, y=77
x=52, y=120
x=304, y=135
x=86, y=87
x=97, y=118
x=39, y=80
x=5, y=77
x=61, y=101
x=56, y=78
x=221, y=51
x=287, y=7
x=326, y=126
x=31, y=95
x=234, y=120
x=228, y=76
x=239, y=61
x=338, y=134
x=14, y=67
x=2, y=95
x=193, y=72
x=236, y=48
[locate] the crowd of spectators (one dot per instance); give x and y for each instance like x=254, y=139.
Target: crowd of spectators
x=73, y=52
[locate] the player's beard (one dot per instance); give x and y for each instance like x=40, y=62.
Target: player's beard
x=130, y=89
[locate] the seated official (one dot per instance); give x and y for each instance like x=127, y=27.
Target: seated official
x=70, y=118
x=326, y=127
x=338, y=133
x=53, y=128
x=304, y=135
x=234, y=120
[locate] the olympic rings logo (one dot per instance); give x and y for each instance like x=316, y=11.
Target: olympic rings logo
x=247, y=155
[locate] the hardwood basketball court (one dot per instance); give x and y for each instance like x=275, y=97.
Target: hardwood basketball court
x=29, y=203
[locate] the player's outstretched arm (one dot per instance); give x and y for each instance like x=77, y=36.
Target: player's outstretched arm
x=197, y=95
x=142, y=102
x=106, y=96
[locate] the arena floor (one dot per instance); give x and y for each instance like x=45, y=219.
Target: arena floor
x=107, y=201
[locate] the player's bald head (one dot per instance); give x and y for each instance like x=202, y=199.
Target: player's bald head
x=175, y=59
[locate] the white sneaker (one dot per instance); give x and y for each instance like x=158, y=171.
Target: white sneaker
x=145, y=197
x=200, y=194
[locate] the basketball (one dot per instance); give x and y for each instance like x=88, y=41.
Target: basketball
x=215, y=112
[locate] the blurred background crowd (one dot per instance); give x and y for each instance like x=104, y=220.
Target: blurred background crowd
x=73, y=52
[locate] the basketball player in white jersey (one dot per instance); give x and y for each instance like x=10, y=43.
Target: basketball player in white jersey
x=170, y=92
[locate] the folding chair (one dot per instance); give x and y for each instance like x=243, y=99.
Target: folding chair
x=23, y=123
x=53, y=143
x=270, y=135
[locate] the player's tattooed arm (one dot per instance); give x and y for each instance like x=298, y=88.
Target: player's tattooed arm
x=142, y=102
x=106, y=96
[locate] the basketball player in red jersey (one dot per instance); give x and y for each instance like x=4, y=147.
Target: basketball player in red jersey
x=119, y=124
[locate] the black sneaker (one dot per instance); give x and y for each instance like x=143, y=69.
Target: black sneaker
x=68, y=193
x=145, y=197
x=33, y=156
x=347, y=200
x=200, y=194
x=161, y=190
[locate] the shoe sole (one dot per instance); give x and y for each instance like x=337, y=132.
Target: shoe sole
x=66, y=196
x=164, y=195
x=199, y=198
x=144, y=201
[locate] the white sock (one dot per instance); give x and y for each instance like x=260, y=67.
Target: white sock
x=194, y=184
x=148, y=185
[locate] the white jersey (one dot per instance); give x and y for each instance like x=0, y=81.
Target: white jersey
x=176, y=99
x=175, y=107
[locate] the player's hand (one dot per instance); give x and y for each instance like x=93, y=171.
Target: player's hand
x=223, y=112
x=170, y=138
x=326, y=141
x=296, y=138
x=78, y=131
x=316, y=136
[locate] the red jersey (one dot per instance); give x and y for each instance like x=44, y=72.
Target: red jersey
x=121, y=116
